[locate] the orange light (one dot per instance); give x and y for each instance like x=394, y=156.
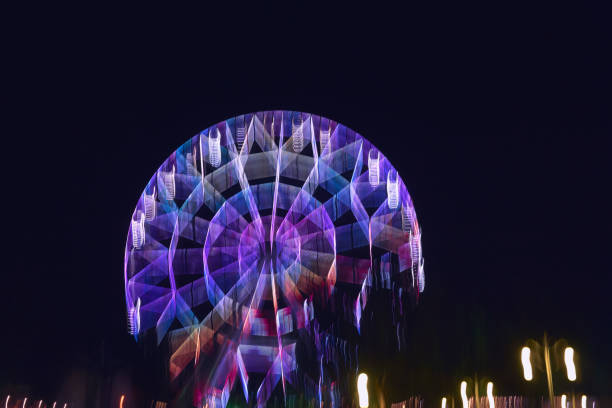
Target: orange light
x=121, y=401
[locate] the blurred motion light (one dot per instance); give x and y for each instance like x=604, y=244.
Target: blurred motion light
x=563, y=401
x=464, y=397
x=583, y=401
x=24, y=402
x=444, y=402
x=569, y=363
x=526, y=360
x=490, y=394
x=362, y=389
x=7, y=400
x=121, y=401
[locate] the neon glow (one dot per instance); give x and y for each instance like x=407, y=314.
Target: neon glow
x=249, y=233
x=464, y=398
x=490, y=395
x=362, y=389
x=569, y=363
x=526, y=360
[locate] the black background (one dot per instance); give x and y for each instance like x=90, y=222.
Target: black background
x=497, y=118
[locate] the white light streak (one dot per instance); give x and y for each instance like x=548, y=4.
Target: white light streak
x=569, y=363
x=490, y=395
x=24, y=402
x=7, y=400
x=444, y=402
x=464, y=398
x=563, y=401
x=583, y=401
x=526, y=360
x=362, y=389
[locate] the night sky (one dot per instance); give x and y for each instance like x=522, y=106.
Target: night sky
x=498, y=120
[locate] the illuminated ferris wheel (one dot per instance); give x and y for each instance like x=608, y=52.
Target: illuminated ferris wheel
x=253, y=248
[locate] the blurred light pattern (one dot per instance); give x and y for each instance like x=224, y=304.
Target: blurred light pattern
x=262, y=235
x=526, y=360
x=490, y=395
x=444, y=402
x=121, y=401
x=569, y=363
x=8, y=397
x=583, y=401
x=24, y=402
x=464, y=398
x=362, y=389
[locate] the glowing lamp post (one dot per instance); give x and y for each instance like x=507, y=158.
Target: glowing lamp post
x=362, y=390
x=544, y=348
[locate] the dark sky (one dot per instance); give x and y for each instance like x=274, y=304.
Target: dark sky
x=498, y=120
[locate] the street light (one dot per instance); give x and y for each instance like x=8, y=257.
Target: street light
x=362, y=389
x=490, y=394
x=464, y=397
x=526, y=360
x=544, y=351
x=569, y=363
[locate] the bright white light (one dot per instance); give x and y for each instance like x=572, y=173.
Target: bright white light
x=526, y=360
x=54, y=404
x=443, y=402
x=583, y=401
x=569, y=363
x=39, y=403
x=464, y=398
x=373, y=167
x=24, y=402
x=7, y=400
x=214, y=148
x=490, y=394
x=563, y=401
x=392, y=191
x=362, y=389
